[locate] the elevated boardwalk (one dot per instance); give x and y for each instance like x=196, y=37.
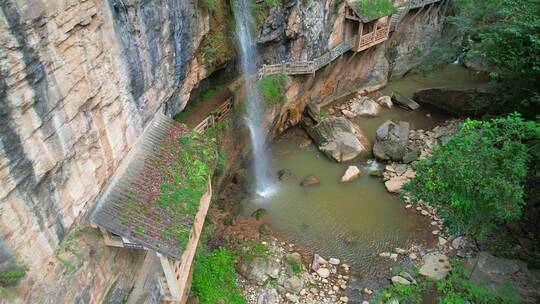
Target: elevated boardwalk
x=405, y=9
x=306, y=67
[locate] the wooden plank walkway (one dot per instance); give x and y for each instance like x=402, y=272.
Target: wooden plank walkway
x=306, y=67
x=404, y=10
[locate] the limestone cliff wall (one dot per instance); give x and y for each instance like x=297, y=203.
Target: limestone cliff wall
x=79, y=80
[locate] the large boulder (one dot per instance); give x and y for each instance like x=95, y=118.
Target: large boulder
x=498, y=272
x=258, y=270
x=391, y=140
x=336, y=137
x=365, y=106
x=457, y=100
x=404, y=101
x=436, y=266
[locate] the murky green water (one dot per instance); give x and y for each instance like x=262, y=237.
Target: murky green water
x=357, y=220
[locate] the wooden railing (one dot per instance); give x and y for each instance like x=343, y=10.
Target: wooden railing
x=373, y=38
x=307, y=67
x=216, y=116
x=404, y=10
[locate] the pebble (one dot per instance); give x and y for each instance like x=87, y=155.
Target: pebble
x=408, y=206
x=343, y=286
x=367, y=291
x=413, y=256
x=394, y=256
x=334, y=261
x=323, y=272
x=435, y=232
x=384, y=254
x=344, y=299
x=424, y=212
x=442, y=241
x=418, y=208
x=434, y=223
x=400, y=280
x=400, y=251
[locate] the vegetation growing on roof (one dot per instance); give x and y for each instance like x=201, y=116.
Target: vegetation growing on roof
x=175, y=182
x=373, y=9
x=272, y=88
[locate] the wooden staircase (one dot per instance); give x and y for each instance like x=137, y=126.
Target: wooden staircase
x=404, y=10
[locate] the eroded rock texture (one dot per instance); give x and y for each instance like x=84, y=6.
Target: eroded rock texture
x=79, y=80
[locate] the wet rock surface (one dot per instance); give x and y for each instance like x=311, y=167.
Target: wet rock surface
x=336, y=137
x=391, y=140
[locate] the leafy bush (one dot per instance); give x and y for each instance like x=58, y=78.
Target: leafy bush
x=214, y=277
x=506, y=35
x=476, y=178
x=272, y=88
x=373, y=9
x=220, y=165
x=455, y=288
x=211, y=5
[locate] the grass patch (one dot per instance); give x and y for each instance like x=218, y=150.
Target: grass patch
x=261, y=9
x=272, y=88
x=254, y=251
x=214, y=278
x=7, y=294
x=373, y=9
x=296, y=267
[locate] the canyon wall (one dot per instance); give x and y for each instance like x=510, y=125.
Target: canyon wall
x=80, y=80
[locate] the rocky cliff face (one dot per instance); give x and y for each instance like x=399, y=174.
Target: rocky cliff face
x=304, y=30
x=79, y=80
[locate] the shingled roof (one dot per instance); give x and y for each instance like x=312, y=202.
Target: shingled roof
x=145, y=202
x=364, y=16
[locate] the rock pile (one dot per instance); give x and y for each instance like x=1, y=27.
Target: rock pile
x=290, y=281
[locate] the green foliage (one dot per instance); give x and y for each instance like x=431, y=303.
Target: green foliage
x=373, y=9
x=506, y=35
x=296, y=267
x=7, y=294
x=220, y=165
x=211, y=5
x=323, y=114
x=214, y=278
x=255, y=250
x=261, y=8
x=456, y=288
x=11, y=275
x=273, y=87
x=476, y=178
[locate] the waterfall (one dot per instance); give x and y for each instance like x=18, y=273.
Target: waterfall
x=254, y=105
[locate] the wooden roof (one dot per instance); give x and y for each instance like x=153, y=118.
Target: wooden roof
x=132, y=204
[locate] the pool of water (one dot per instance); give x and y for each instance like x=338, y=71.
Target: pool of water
x=354, y=221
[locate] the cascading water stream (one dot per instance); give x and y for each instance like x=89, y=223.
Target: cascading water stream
x=254, y=106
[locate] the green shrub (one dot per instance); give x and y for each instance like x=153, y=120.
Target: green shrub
x=456, y=288
x=11, y=275
x=220, y=165
x=214, y=277
x=373, y=9
x=272, y=88
x=505, y=34
x=476, y=178
x=211, y=5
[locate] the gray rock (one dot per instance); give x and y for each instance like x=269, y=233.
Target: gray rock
x=336, y=137
x=259, y=270
x=284, y=174
x=498, y=272
x=398, y=280
x=457, y=100
x=323, y=272
x=391, y=140
x=404, y=101
x=268, y=296
x=411, y=155
x=293, y=284
x=365, y=106
x=436, y=266
x=309, y=181
x=458, y=242
x=292, y=298
x=385, y=101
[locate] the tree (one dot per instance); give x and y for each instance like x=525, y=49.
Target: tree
x=476, y=178
x=506, y=35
